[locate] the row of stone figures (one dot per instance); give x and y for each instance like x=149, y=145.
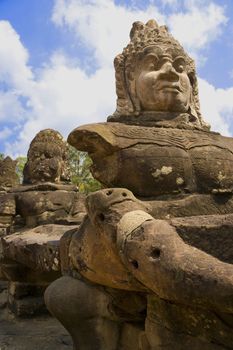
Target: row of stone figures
x=33, y=217
x=146, y=262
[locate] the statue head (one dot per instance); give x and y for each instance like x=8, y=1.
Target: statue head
x=155, y=74
x=47, y=159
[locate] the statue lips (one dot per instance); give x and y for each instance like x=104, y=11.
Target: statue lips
x=170, y=87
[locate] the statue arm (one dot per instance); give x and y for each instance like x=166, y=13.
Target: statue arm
x=155, y=254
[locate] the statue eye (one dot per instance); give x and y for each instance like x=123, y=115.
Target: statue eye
x=152, y=66
x=180, y=68
x=150, y=62
x=179, y=65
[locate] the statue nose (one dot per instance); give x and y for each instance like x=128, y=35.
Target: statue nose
x=168, y=72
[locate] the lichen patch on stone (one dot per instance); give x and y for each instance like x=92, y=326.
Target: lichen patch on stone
x=179, y=181
x=221, y=176
x=165, y=170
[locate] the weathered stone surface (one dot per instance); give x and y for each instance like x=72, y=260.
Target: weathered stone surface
x=39, y=204
x=190, y=205
x=47, y=159
x=42, y=332
x=211, y=233
x=36, y=248
x=7, y=213
x=101, y=315
x=8, y=176
x=153, y=161
x=45, y=186
x=84, y=318
x=176, y=326
x=14, y=271
x=106, y=206
x=19, y=290
x=35, y=205
x=7, y=204
x=133, y=337
x=27, y=307
x=37, y=212
x=3, y=294
x=44, y=207
x=29, y=258
x=152, y=251
x=173, y=250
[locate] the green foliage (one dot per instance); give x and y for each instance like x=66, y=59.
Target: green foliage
x=19, y=165
x=21, y=161
x=81, y=176
x=79, y=163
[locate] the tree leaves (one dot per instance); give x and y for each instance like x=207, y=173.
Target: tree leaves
x=80, y=164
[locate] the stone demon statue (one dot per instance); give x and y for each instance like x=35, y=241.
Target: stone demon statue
x=150, y=267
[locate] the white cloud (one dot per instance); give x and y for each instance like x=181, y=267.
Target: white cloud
x=101, y=25
x=14, y=58
x=5, y=133
x=198, y=27
x=216, y=106
x=10, y=106
x=104, y=26
x=172, y=3
x=66, y=96
x=16, y=80
x=62, y=95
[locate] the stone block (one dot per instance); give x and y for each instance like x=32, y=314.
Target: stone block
x=27, y=307
x=19, y=290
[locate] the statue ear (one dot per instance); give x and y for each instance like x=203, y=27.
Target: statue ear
x=194, y=108
x=124, y=103
x=193, y=116
x=195, y=104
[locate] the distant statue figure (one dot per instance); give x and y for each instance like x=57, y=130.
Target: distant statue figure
x=47, y=195
x=47, y=159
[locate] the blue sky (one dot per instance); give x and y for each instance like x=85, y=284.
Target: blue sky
x=56, y=60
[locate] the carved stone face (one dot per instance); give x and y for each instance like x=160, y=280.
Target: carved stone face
x=162, y=82
x=47, y=158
